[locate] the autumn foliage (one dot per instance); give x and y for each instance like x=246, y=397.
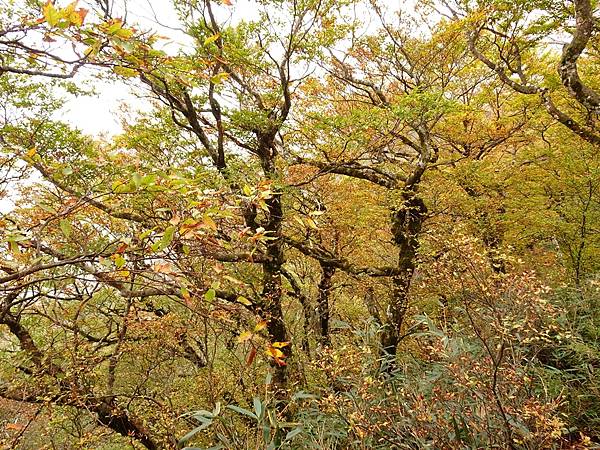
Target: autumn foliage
x=320, y=224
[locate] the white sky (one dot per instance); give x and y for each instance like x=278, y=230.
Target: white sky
x=101, y=115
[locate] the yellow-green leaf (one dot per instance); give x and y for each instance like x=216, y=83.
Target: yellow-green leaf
x=125, y=71
x=210, y=295
x=211, y=39
x=219, y=78
x=66, y=227
x=244, y=301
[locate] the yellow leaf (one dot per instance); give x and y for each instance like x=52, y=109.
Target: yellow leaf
x=244, y=337
x=260, y=326
x=280, y=344
x=274, y=352
x=311, y=223
x=32, y=152
x=209, y=222
x=124, y=33
x=211, y=39
x=75, y=16
x=247, y=190
x=125, y=71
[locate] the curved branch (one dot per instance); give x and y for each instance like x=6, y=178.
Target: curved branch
x=584, y=26
x=323, y=256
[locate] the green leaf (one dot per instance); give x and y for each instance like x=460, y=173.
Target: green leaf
x=194, y=432
x=136, y=179
x=258, y=407
x=165, y=240
x=301, y=395
x=148, y=180
x=66, y=227
x=210, y=295
x=202, y=415
x=168, y=235
x=242, y=411
x=293, y=433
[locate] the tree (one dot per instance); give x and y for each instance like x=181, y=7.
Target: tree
x=390, y=119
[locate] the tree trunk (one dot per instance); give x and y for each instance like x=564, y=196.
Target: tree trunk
x=272, y=268
x=323, y=303
x=406, y=226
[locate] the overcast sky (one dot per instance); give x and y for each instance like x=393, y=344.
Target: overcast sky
x=100, y=115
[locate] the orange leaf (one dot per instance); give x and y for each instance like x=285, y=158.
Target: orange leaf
x=279, y=362
x=82, y=12
x=166, y=268
x=226, y=2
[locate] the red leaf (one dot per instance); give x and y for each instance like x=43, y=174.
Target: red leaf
x=279, y=362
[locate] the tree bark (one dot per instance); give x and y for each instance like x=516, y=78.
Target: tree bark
x=272, y=268
x=323, y=312
x=112, y=416
x=406, y=226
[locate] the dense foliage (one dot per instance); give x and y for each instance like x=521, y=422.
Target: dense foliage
x=323, y=224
